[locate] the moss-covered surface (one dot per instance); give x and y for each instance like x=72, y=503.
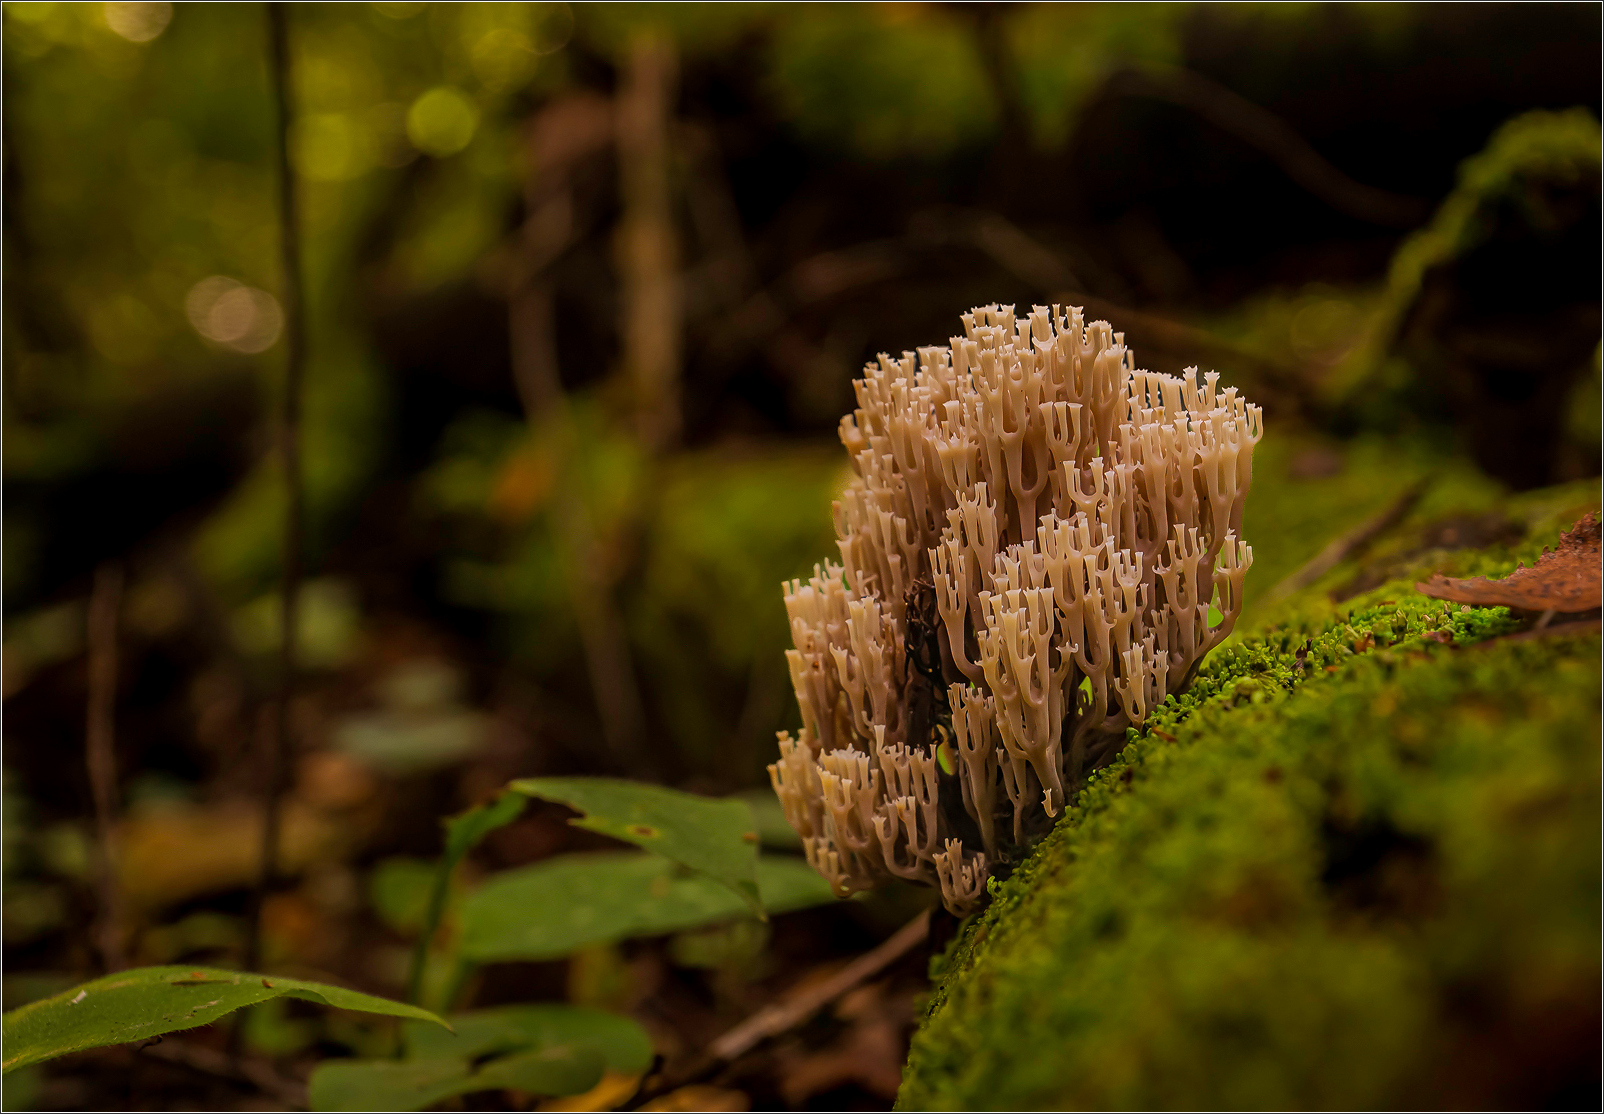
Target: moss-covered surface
x=1358, y=865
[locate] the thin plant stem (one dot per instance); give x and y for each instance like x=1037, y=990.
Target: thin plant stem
x=279, y=742
x=431, y=923
x=647, y=252
x=105, y=598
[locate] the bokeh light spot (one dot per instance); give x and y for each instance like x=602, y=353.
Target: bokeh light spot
x=503, y=57
x=227, y=312
x=138, y=23
x=553, y=27
x=332, y=147
x=442, y=121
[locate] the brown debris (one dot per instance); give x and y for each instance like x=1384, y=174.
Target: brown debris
x=1566, y=580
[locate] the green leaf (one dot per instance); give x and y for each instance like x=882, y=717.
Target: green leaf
x=465, y=830
x=415, y=1084
x=570, y=1070
x=714, y=837
x=384, y=1084
x=399, y=890
x=623, y=1044
x=788, y=883
x=149, y=1001
x=554, y=907
x=545, y=1049
x=463, y=833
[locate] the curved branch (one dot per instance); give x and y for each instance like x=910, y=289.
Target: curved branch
x=1275, y=138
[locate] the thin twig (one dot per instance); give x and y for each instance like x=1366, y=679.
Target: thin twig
x=105, y=598
x=247, y=1070
x=781, y=1017
x=1344, y=545
x=279, y=746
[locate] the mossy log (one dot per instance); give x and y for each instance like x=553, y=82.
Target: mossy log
x=1356, y=866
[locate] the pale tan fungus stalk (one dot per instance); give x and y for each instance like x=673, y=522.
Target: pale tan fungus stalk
x=1076, y=518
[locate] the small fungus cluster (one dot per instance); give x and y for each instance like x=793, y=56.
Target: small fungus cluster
x=1030, y=550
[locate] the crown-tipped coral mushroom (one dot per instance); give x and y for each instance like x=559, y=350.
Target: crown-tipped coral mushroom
x=1029, y=552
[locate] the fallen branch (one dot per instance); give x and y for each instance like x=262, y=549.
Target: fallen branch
x=782, y=1016
x=1345, y=545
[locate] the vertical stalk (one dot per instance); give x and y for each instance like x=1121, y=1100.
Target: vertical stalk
x=105, y=598
x=603, y=639
x=647, y=251
x=279, y=743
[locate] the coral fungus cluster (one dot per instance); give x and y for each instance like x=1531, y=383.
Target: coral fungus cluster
x=1030, y=550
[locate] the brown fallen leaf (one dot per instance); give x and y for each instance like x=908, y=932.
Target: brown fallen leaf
x=1566, y=580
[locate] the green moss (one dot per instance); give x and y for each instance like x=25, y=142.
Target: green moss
x=1525, y=160
x=1356, y=865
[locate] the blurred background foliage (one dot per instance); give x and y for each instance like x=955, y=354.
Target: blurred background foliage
x=586, y=289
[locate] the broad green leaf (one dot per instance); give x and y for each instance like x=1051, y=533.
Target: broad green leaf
x=479, y=1033
x=148, y=1001
x=384, y=1084
x=415, y=1084
x=565, y=1070
x=715, y=837
x=545, y=1049
x=463, y=833
x=552, y=908
x=789, y=883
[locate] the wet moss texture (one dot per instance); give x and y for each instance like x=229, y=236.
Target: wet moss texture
x=1357, y=865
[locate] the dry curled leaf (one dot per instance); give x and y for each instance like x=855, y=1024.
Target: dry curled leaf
x=1568, y=579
